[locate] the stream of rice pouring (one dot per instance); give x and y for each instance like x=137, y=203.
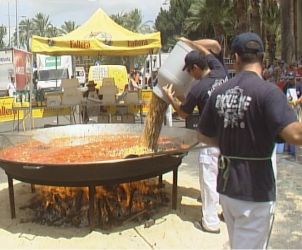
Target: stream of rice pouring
x=154, y=121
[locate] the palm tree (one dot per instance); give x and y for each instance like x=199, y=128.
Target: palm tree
x=25, y=32
x=130, y=20
x=171, y=22
x=271, y=21
x=52, y=31
x=134, y=20
x=255, y=18
x=41, y=24
x=241, y=10
x=164, y=24
x=264, y=5
x=2, y=35
x=146, y=27
x=179, y=11
x=287, y=30
x=68, y=26
x=207, y=16
x=210, y=18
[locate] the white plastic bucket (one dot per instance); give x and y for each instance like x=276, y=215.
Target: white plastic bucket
x=157, y=90
x=171, y=71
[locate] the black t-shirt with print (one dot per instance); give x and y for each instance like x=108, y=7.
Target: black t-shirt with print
x=220, y=59
x=246, y=115
x=200, y=92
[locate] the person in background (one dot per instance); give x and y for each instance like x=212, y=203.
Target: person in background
x=283, y=68
x=298, y=86
x=90, y=95
x=11, y=88
x=35, y=79
x=154, y=78
x=133, y=84
x=293, y=92
x=266, y=75
x=197, y=64
x=244, y=118
x=291, y=87
x=299, y=70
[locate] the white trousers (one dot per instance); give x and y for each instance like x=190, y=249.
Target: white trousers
x=248, y=223
x=274, y=162
x=168, y=116
x=208, y=170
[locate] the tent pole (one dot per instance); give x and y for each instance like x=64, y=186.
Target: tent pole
x=159, y=56
x=145, y=83
x=56, y=71
x=151, y=69
x=57, y=85
x=30, y=91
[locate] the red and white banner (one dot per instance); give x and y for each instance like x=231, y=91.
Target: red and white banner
x=20, y=68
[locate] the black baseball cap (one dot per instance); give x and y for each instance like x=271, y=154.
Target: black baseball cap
x=247, y=43
x=193, y=57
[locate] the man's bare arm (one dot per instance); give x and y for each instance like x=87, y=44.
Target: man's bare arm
x=205, y=46
x=292, y=133
x=169, y=92
x=210, y=44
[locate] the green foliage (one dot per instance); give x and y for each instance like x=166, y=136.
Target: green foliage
x=25, y=33
x=271, y=16
x=2, y=35
x=194, y=19
x=41, y=25
x=68, y=26
x=272, y=23
x=171, y=22
x=129, y=20
x=210, y=18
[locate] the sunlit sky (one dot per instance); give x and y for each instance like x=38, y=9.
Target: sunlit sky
x=74, y=10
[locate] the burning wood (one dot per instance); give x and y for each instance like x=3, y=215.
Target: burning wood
x=114, y=204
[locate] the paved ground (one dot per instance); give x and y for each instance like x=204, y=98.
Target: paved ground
x=172, y=229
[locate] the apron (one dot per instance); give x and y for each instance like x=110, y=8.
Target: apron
x=224, y=164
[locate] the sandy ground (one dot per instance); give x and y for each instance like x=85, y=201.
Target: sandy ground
x=172, y=229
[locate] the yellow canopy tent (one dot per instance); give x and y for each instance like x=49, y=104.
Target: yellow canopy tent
x=100, y=35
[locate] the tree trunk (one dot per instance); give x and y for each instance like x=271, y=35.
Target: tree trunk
x=218, y=30
x=287, y=30
x=271, y=39
x=241, y=7
x=263, y=29
x=255, y=18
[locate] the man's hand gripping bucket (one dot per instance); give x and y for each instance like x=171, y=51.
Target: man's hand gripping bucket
x=171, y=72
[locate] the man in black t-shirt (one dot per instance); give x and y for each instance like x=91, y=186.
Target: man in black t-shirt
x=207, y=79
x=244, y=118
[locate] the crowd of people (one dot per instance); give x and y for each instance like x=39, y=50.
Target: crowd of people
x=287, y=77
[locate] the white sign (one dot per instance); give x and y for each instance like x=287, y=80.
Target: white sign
x=292, y=95
x=6, y=57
